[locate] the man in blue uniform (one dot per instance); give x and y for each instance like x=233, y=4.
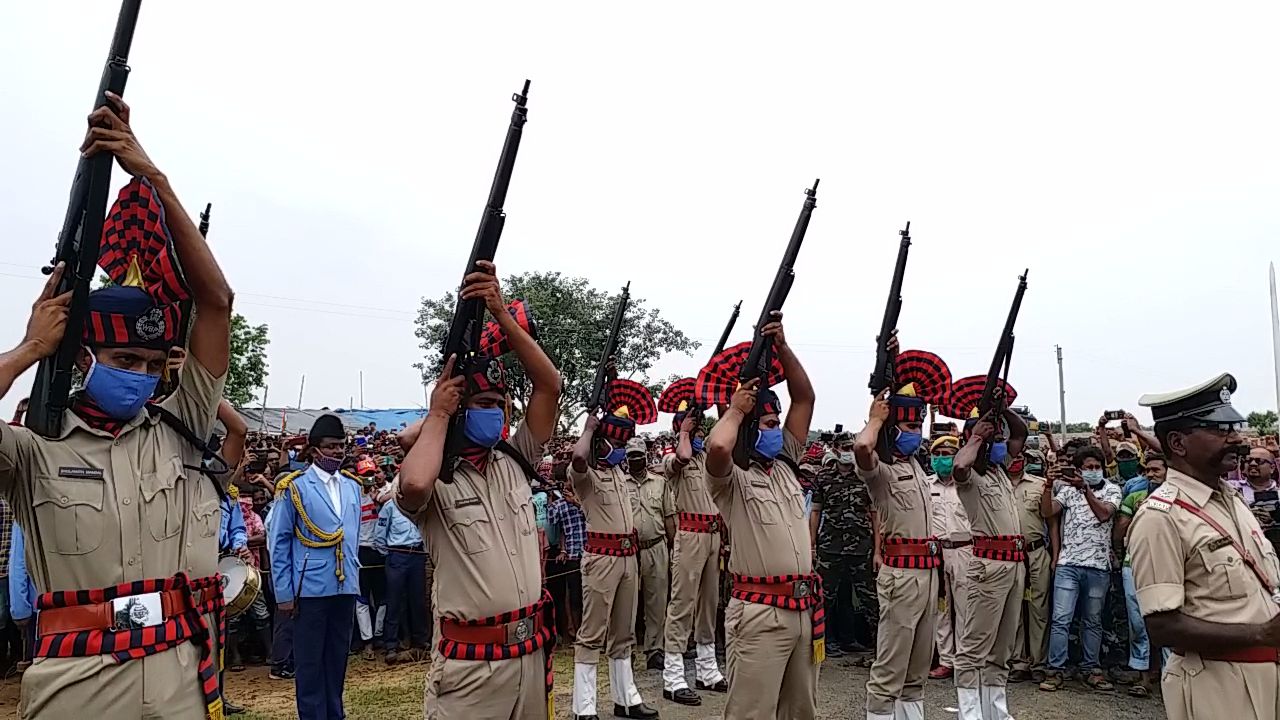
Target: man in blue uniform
x=314, y=548
x=397, y=538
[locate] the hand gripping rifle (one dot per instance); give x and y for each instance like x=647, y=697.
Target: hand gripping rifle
x=883, y=374
x=600, y=388
x=760, y=356
x=993, y=401
x=463, y=339
x=79, y=242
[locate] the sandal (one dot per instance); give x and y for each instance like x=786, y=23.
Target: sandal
x=1098, y=681
x=1139, y=690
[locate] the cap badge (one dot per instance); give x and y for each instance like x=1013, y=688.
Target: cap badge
x=151, y=325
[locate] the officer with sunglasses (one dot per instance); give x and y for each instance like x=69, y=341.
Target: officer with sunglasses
x=1207, y=579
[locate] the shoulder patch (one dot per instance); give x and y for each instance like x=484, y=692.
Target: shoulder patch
x=1156, y=504
x=1165, y=492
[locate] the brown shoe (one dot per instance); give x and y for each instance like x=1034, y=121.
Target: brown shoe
x=1098, y=681
x=1052, y=681
x=942, y=672
x=1019, y=676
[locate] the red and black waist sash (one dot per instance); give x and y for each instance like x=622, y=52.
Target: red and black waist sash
x=505, y=636
x=788, y=592
x=700, y=522
x=613, y=544
x=1005, y=548
x=912, y=553
x=134, y=620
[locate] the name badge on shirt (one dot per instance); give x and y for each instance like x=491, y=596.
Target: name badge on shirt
x=1219, y=544
x=80, y=473
x=467, y=501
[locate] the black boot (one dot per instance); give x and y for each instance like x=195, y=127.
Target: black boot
x=229, y=708
x=635, y=711
x=684, y=696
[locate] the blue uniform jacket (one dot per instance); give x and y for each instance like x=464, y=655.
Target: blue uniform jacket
x=232, y=534
x=301, y=571
x=22, y=592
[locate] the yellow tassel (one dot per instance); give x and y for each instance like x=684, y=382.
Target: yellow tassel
x=551, y=707
x=942, y=604
x=819, y=650
x=1026, y=594
x=133, y=275
x=215, y=710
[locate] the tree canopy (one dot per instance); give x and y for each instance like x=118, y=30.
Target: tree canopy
x=1263, y=422
x=247, y=373
x=573, y=319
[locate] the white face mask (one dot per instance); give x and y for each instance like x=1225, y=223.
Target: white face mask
x=844, y=458
x=1093, y=477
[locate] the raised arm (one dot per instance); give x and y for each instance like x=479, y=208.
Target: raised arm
x=543, y=407
x=1147, y=439
x=799, y=388
x=237, y=431
x=724, y=434
x=584, y=449
x=45, y=327
x=1104, y=442
x=1017, y=438
x=110, y=131
x=864, y=447
x=983, y=431
x=421, y=467
x=684, y=442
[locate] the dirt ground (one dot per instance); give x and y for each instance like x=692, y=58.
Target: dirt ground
x=375, y=692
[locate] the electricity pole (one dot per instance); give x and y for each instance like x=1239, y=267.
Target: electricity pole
x=1062, y=401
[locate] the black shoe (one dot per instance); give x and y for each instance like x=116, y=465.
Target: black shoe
x=684, y=696
x=655, y=661
x=691, y=654
x=586, y=717
x=834, y=651
x=230, y=709
x=281, y=674
x=635, y=711
x=722, y=686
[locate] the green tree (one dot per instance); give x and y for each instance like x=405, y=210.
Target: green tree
x=573, y=319
x=248, y=370
x=1263, y=422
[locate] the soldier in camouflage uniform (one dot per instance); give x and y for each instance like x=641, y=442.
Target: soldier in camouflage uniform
x=841, y=528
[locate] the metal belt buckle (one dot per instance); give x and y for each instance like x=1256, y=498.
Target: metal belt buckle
x=713, y=526
x=625, y=543
x=136, y=611
x=1017, y=544
x=800, y=589
x=519, y=631
x=933, y=547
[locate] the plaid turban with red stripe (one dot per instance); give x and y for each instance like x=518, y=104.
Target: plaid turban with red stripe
x=920, y=378
x=142, y=308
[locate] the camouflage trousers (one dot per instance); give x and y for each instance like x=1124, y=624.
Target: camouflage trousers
x=853, y=609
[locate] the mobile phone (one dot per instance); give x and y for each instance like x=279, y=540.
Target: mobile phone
x=839, y=428
x=827, y=437
x=1114, y=415
x=256, y=466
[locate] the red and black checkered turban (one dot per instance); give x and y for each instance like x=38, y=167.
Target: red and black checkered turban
x=677, y=399
x=920, y=378
x=141, y=309
x=962, y=401
x=769, y=403
x=494, y=341
x=720, y=378
x=629, y=404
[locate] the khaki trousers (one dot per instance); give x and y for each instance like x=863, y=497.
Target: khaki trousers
x=654, y=571
x=512, y=689
x=904, y=637
x=164, y=685
x=770, y=662
x=986, y=641
x=1035, y=615
x=955, y=564
x=695, y=590
x=1196, y=689
x=609, y=587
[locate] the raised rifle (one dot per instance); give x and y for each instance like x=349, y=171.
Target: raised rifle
x=599, y=388
x=760, y=356
x=463, y=338
x=79, y=242
x=883, y=374
x=993, y=401
x=204, y=220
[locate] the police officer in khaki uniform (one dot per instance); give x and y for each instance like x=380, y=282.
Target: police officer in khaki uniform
x=995, y=575
x=654, y=514
x=109, y=503
x=907, y=583
x=492, y=659
x=952, y=527
x=774, y=644
x=610, y=573
x=695, y=561
x=1028, y=488
x=1206, y=577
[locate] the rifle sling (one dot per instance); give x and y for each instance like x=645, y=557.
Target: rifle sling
x=168, y=418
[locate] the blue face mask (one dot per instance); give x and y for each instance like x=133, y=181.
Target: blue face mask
x=120, y=393
x=698, y=444
x=999, y=452
x=615, y=457
x=769, y=443
x=907, y=443
x=483, y=426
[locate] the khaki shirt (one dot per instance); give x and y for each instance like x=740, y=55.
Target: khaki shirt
x=900, y=493
x=949, y=519
x=1026, y=500
x=482, y=536
x=98, y=511
x=653, y=505
x=606, y=499
x=989, y=502
x=765, y=514
x=1181, y=563
x=689, y=483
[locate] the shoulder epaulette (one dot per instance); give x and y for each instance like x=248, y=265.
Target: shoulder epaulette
x=233, y=492
x=348, y=475
x=1161, y=499
x=283, y=483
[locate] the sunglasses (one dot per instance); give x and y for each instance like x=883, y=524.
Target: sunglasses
x=1258, y=461
x=1222, y=427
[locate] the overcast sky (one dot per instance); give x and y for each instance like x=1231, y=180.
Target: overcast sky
x=1126, y=152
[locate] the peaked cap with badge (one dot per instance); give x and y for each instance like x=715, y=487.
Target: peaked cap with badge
x=141, y=308
x=1208, y=402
